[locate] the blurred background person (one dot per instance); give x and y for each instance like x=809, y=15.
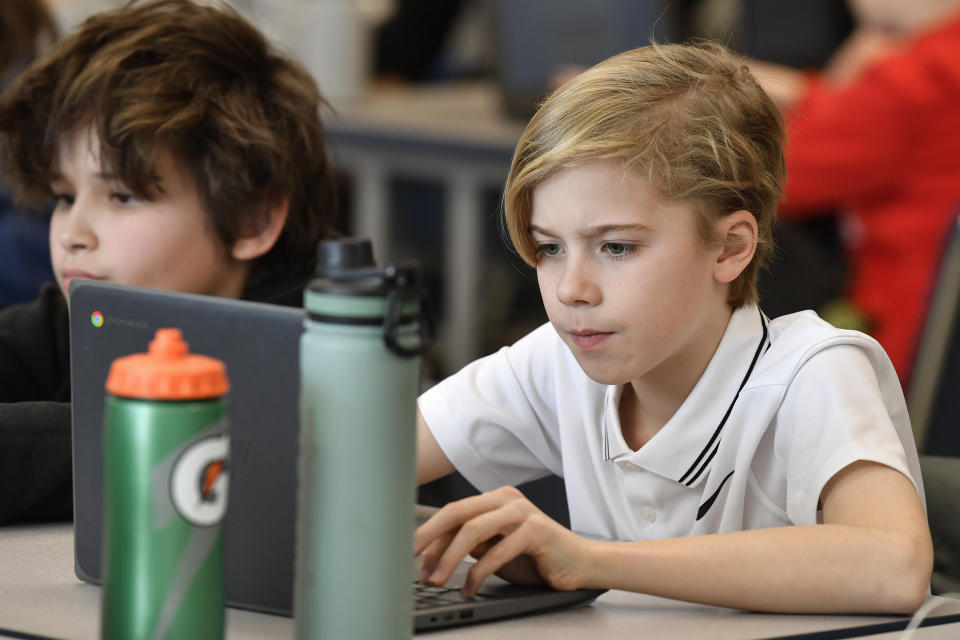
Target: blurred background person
x=26, y=27
x=877, y=136
x=414, y=43
x=809, y=267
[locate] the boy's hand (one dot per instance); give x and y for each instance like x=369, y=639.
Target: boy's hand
x=508, y=535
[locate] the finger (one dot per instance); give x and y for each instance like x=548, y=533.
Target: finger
x=432, y=553
x=483, y=547
x=447, y=518
x=512, y=546
x=454, y=514
x=475, y=532
x=436, y=548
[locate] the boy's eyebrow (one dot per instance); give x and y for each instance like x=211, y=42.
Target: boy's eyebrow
x=593, y=231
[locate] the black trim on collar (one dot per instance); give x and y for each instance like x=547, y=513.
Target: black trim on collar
x=702, y=511
x=706, y=463
x=686, y=478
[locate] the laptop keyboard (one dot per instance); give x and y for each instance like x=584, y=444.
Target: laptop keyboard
x=427, y=596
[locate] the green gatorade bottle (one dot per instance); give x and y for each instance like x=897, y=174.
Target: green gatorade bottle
x=165, y=482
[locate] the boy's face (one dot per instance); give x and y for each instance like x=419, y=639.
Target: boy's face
x=99, y=230
x=625, y=278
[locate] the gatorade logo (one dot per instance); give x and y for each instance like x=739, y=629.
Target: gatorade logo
x=198, y=483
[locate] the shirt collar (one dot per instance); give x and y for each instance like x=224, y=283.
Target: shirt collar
x=683, y=449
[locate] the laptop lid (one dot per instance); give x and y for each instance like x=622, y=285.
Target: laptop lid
x=259, y=343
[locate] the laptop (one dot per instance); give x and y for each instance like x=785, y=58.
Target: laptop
x=259, y=343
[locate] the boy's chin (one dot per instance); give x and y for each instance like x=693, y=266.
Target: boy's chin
x=601, y=374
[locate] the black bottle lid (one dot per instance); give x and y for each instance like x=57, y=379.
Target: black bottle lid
x=344, y=254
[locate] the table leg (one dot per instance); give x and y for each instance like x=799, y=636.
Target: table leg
x=463, y=253
x=371, y=211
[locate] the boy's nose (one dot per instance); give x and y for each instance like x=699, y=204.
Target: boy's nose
x=73, y=231
x=576, y=287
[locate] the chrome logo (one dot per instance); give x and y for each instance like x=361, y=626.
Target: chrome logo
x=96, y=319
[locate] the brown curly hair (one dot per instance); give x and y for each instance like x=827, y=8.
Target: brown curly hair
x=198, y=81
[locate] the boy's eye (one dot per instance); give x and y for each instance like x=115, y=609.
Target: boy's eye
x=619, y=249
x=121, y=197
x=548, y=250
x=65, y=199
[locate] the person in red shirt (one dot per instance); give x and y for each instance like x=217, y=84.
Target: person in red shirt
x=877, y=136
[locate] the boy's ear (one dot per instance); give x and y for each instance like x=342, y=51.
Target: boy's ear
x=738, y=239
x=260, y=239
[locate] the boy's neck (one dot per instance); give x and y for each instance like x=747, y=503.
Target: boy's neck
x=637, y=422
x=647, y=404
x=640, y=420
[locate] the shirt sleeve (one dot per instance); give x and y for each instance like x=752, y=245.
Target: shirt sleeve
x=35, y=441
x=36, y=481
x=34, y=349
x=833, y=414
x=494, y=419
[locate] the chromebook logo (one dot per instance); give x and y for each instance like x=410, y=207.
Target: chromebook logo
x=96, y=319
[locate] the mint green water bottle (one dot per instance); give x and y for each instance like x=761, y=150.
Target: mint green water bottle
x=365, y=331
x=165, y=494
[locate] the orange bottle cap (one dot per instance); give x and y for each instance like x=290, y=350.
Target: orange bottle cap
x=168, y=372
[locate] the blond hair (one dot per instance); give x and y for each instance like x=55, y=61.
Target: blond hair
x=691, y=118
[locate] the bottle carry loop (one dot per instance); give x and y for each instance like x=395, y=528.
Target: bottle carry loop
x=404, y=286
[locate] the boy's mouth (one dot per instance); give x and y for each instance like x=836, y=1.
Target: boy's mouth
x=67, y=276
x=588, y=338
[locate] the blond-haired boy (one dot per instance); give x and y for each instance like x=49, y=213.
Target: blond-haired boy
x=727, y=458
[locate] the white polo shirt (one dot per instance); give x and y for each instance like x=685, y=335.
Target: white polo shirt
x=782, y=407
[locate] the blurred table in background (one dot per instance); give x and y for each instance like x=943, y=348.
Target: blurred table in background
x=454, y=134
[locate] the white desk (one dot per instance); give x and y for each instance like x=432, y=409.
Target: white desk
x=39, y=594
x=453, y=134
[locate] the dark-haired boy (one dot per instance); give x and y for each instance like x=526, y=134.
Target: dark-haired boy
x=184, y=154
